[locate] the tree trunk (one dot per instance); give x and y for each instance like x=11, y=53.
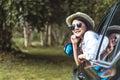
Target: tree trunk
x=5, y=38
x=1, y=37
x=26, y=34
x=46, y=35
x=49, y=35
x=41, y=38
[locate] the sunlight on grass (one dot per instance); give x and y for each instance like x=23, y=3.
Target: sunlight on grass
x=18, y=41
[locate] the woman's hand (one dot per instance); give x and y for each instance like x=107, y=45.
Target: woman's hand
x=74, y=39
x=82, y=58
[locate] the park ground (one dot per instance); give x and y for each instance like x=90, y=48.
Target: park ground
x=37, y=63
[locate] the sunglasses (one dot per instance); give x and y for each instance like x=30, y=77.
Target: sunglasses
x=72, y=27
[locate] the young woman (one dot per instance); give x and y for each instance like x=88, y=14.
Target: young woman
x=84, y=39
x=113, y=34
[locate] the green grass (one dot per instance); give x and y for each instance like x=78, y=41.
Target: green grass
x=39, y=63
x=36, y=63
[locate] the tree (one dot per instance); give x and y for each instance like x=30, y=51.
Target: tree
x=6, y=23
x=47, y=16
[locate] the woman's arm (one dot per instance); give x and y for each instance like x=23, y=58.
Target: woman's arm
x=75, y=54
x=75, y=41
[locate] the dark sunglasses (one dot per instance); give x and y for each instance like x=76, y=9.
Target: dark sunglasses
x=72, y=27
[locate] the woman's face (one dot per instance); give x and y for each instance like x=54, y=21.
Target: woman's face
x=79, y=28
x=113, y=38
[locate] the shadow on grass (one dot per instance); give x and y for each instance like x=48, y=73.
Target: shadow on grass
x=22, y=57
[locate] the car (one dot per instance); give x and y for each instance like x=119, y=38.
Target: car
x=110, y=24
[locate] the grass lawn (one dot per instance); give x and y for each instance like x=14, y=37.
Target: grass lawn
x=40, y=63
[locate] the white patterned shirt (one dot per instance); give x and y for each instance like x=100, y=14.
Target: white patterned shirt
x=91, y=43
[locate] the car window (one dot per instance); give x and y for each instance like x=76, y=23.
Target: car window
x=101, y=25
x=116, y=18
x=110, y=27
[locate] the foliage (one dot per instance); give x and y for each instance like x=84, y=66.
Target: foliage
x=13, y=14
x=95, y=8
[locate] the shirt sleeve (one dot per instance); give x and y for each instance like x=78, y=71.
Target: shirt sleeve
x=89, y=45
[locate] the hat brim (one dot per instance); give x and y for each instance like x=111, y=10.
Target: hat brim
x=114, y=28
x=79, y=14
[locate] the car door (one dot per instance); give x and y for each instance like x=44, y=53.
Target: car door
x=110, y=20
x=110, y=24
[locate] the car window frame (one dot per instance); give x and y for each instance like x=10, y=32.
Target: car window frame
x=105, y=23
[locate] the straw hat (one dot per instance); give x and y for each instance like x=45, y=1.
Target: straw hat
x=114, y=29
x=79, y=14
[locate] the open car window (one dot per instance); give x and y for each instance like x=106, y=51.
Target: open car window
x=110, y=27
